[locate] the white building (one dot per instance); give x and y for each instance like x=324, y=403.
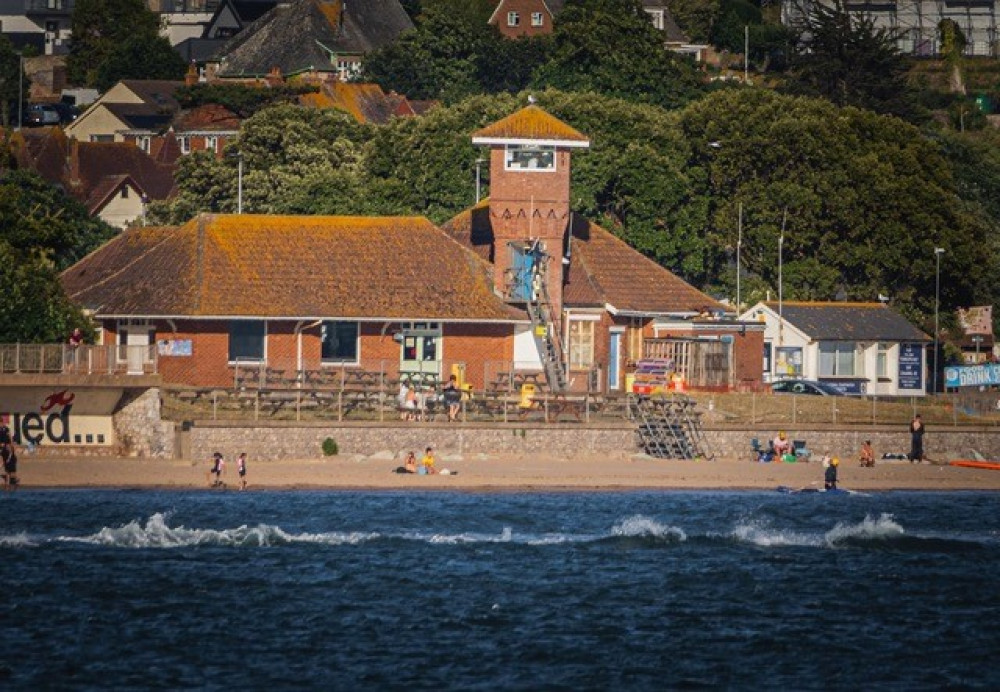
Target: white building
x=860, y=348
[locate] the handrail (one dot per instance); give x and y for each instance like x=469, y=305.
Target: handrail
x=85, y=359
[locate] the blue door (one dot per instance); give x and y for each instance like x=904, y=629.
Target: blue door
x=522, y=262
x=614, y=351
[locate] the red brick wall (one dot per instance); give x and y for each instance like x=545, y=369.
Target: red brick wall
x=524, y=8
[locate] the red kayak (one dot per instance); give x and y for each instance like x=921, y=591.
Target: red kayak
x=971, y=464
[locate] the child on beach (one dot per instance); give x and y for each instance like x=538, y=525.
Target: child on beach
x=218, y=464
x=428, y=461
x=241, y=468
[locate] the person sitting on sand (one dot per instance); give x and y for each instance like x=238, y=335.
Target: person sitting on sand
x=409, y=466
x=782, y=445
x=428, y=461
x=867, y=456
x=830, y=476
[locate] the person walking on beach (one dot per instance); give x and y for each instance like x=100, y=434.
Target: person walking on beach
x=241, y=468
x=867, y=456
x=218, y=464
x=916, y=439
x=830, y=476
x=9, y=457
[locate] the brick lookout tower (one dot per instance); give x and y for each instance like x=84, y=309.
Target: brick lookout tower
x=530, y=216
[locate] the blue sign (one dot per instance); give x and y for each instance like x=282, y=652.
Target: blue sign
x=972, y=375
x=911, y=366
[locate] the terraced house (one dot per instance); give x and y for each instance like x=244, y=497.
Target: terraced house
x=516, y=284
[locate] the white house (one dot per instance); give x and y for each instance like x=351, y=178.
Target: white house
x=860, y=348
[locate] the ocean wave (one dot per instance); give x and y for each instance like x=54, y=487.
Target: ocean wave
x=643, y=527
x=17, y=540
x=505, y=536
x=156, y=533
x=881, y=528
x=761, y=533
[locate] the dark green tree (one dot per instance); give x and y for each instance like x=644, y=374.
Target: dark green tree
x=241, y=99
x=867, y=199
x=140, y=57
x=610, y=47
x=11, y=79
x=101, y=26
x=843, y=57
x=43, y=232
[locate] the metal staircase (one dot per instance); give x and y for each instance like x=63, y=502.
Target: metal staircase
x=545, y=327
x=669, y=427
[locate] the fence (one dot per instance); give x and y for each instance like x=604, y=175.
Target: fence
x=81, y=360
x=754, y=408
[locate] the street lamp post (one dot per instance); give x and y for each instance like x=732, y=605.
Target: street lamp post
x=938, y=251
x=20, y=89
x=239, y=184
x=781, y=252
x=739, y=247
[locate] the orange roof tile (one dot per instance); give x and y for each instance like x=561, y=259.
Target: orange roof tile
x=289, y=267
x=531, y=123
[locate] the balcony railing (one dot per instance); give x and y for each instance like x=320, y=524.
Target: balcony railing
x=63, y=359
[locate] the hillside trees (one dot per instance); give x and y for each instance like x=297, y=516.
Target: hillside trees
x=610, y=47
x=844, y=58
x=43, y=233
x=140, y=57
x=100, y=27
x=868, y=198
x=11, y=80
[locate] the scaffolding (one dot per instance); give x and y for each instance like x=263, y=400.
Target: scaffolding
x=669, y=427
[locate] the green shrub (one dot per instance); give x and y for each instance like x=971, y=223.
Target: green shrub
x=330, y=447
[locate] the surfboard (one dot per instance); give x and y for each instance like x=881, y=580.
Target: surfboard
x=972, y=464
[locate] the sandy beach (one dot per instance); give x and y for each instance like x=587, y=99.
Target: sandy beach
x=495, y=473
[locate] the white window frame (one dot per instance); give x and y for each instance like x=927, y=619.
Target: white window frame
x=839, y=350
x=212, y=143
x=184, y=142
x=133, y=325
x=513, y=19
x=537, y=19
x=262, y=359
x=580, y=342
x=882, y=360
x=514, y=153
x=144, y=143
x=357, y=345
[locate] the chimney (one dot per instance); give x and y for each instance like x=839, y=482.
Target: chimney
x=73, y=162
x=274, y=77
x=191, y=78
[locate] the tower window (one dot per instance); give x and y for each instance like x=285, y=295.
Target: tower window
x=527, y=157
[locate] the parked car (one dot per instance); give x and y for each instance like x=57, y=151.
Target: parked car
x=39, y=114
x=805, y=387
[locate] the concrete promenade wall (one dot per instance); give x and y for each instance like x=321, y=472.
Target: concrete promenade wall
x=282, y=440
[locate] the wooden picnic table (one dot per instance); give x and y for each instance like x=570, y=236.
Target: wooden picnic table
x=553, y=406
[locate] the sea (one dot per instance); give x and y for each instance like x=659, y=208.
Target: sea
x=394, y=590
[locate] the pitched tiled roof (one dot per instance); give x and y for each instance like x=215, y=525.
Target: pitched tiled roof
x=289, y=266
x=156, y=92
x=367, y=103
x=211, y=117
x=302, y=34
x=101, y=160
x=140, y=116
x=603, y=270
x=530, y=123
x=848, y=321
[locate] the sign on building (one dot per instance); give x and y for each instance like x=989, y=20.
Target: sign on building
x=972, y=375
x=911, y=366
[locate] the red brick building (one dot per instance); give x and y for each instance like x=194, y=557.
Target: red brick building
x=517, y=18
x=517, y=283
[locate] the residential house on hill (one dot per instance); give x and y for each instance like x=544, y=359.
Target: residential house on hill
x=230, y=18
x=204, y=128
x=114, y=180
x=516, y=284
x=519, y=18
x=311, y=36
x=42, y=24
x=139, y=107
x=859, y=348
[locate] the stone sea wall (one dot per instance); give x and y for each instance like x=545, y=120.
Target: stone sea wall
x=283, y=440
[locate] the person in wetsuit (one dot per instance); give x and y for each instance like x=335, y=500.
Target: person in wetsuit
x=830, y=477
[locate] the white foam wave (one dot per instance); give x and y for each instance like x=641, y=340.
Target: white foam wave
x=17, y=540
x=762, y=534
x=505, y=536
x=639, y=526
x=882, y=528
x=156, y=533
